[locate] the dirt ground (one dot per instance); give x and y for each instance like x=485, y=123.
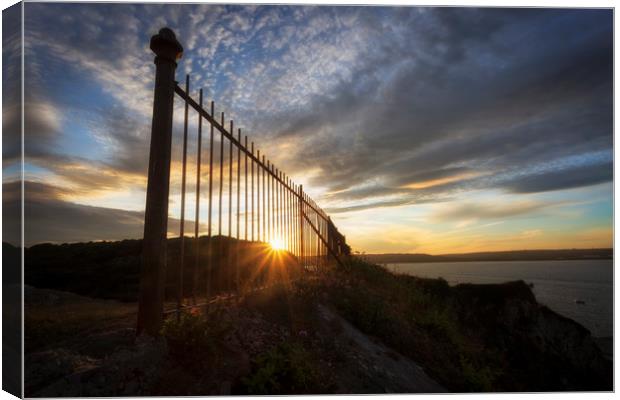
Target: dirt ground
x=78, y=346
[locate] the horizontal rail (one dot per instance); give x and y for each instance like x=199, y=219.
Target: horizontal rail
x=237, y=143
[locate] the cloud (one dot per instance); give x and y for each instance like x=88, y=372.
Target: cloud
x=562, y=179
x=388, y=106
x=48, y=218
x=548, y=101
x=485, y=210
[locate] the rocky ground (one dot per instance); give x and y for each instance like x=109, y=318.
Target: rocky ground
x=87, y=347
x=354, y=329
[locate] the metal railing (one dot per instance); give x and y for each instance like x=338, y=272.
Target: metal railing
x=266, y=205
x=275, y=209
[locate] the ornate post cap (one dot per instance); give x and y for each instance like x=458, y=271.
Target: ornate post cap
x=166, y=46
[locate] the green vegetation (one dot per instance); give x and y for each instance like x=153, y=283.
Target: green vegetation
x=418, y=318
x=195, y=339
x=111, y=270
x=281, y=340
x=288, y=368
x=468, y=337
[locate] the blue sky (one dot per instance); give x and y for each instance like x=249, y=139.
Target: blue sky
x=419, y=129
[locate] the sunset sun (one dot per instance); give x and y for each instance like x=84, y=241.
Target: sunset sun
x=276, y=244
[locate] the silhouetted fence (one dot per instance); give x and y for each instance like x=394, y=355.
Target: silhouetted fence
x=247, y=198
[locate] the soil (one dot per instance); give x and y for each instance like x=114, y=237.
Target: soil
x=80, y=346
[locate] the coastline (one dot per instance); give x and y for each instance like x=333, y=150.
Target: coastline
x=512, y=255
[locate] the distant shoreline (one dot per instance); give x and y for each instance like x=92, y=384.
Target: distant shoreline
x=517, y=255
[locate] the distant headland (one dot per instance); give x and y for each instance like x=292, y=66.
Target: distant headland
x=516, y=255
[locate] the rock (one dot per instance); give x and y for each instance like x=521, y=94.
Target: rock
x=128, y=371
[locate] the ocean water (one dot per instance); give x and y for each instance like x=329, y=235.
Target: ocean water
x=557, y=284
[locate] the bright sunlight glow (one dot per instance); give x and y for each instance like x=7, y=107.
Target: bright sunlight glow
x=276, y=244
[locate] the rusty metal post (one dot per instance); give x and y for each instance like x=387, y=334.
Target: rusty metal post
x=219, y=211
x=238, y=183
x=276, y=231
x=276, y=203
x=263, y=203
x=230, y=182
x=289, y=201
x=182, y=222
x=301, y=224
x=245, y=214
x=209, y=225
x=197, y=217
x=151, y=301
x=258, y=168
x=280, y=209
x=238, y=241
x=269, y=231
x=252, y=192
x=286, y=224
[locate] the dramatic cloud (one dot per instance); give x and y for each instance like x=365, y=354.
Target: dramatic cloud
x=570, y=178
x=482, y=210
x=368, y=107
x=51, y=219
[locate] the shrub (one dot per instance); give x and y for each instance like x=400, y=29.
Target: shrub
x=285, y=369
x=193, y=340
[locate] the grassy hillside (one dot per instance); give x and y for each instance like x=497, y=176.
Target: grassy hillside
x=467, y=338
x=111, y=270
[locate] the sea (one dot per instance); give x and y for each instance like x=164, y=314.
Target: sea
x=578, y=289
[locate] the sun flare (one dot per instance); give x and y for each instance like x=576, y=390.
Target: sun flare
x=276, y=244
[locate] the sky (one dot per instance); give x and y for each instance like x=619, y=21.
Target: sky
x=419, y=130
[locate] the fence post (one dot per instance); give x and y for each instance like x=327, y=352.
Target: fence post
x=152, y=276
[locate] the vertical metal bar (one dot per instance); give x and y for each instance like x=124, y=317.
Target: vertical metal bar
x=312, y=233
x=246, y=190
x=307, y=247
x=280, y=207
x=279, y=200
x=263, y=202
x=309, y=231
x=269, y=231
x=230, y=181
x=182, y=228
x=277, y=204
x=294, y=219
x=297, y=221
x=273, y=205
x=301, y=224
x=252, y=191
x=209, y=223
x=197, y=217
x=219, y=211
x=290, y=219
x=276, y=231
x=318, y=241
x=286, y=216
x=238, y=182
x=258, y=169
x=306, y=236
x=238, y=252
x=288, y=227
x=283, y=209
x=292, y=216
x=229, y=255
